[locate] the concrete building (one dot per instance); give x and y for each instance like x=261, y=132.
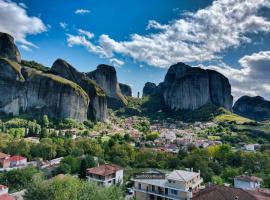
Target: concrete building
x=247, y=182
x=177, y=185
x=16, y=161
x=4, y=160
x=106, y=175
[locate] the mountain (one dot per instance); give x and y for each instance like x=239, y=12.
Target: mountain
x=8, y=49
x=253, y=107
x=125, y=89
x=149, y=89
x=189, y=88
x=97, y=109
x=26, y=90
x=106, y=77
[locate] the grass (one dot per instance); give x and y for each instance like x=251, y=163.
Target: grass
x=230, y=117
x=60, y=80
x=15, y=66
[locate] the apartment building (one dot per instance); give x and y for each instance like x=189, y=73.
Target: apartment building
x=177, y=185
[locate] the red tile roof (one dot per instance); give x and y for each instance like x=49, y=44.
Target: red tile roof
x=17, y=158
x=104, y=170
x=7, y=197
x=227, y=193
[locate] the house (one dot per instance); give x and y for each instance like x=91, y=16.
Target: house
x=4, y=193
x=176, y=185
x=251, y=147
x=106, y=175
x=4, y=160
x=216, y=192
x=16, y=161
x=247, y=182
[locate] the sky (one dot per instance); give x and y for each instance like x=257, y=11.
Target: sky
x=142, y=39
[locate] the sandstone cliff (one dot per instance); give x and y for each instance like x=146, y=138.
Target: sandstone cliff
x=106, y=77
x=149, y=89
x=27, y=90
x=188, y=88
x=253, y=107
x=98, y=103
x=125, y=89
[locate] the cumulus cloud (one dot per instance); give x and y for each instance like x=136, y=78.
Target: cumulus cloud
x=196, y=36
x=63, y=25
x=252, y=78
x=16, y=21
x=82, y=11
x=116, y=62
x=88, y=34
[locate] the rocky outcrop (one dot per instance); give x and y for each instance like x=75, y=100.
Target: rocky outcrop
x=189, y=88
x=97, y=109
x=252, y=107
x=8, y=49
x=106, y=77
x=149, y=89
x=125, y=89
x=30, y=91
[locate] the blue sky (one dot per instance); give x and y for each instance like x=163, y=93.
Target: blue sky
x=143, y=38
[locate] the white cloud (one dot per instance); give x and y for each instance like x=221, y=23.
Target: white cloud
x=82, y=11
x=26, y=48
x=63, y=25
x=252, y=78
x=15, y=21
x=196, y=36
x=88, y=34
x=117, y=63
x=22, y=5
x=73, y=40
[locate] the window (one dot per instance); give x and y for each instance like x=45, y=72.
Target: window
x=139, y=186
x=174, y=192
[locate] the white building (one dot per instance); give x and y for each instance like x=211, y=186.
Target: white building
x=247, y=182
x=106, y=175
x=177, y=185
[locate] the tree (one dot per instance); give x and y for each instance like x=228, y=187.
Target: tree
x=44, y=133
x=18, y=179
x=45, y=121
x=82, y=170
x=67, y=187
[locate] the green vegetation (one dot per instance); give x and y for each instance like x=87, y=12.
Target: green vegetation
x=18, y=179
x=34, y=65
x=15, y=66
x=67, y=187
x=227, y=116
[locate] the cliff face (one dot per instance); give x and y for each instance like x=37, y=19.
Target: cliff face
x=125, y=89
x=189, y=88
x=26, y=90
x=253, y=107
x=97, y=109
x=149, y=89
x=8, y=49
x=106, y=77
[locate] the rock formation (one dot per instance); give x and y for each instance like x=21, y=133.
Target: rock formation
x=98, y=104
x=149, y=89
x=189, y=88
x=27, y=90
x=125, y=89
x=253, y=107
x=106, y=77
x=8, y=49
